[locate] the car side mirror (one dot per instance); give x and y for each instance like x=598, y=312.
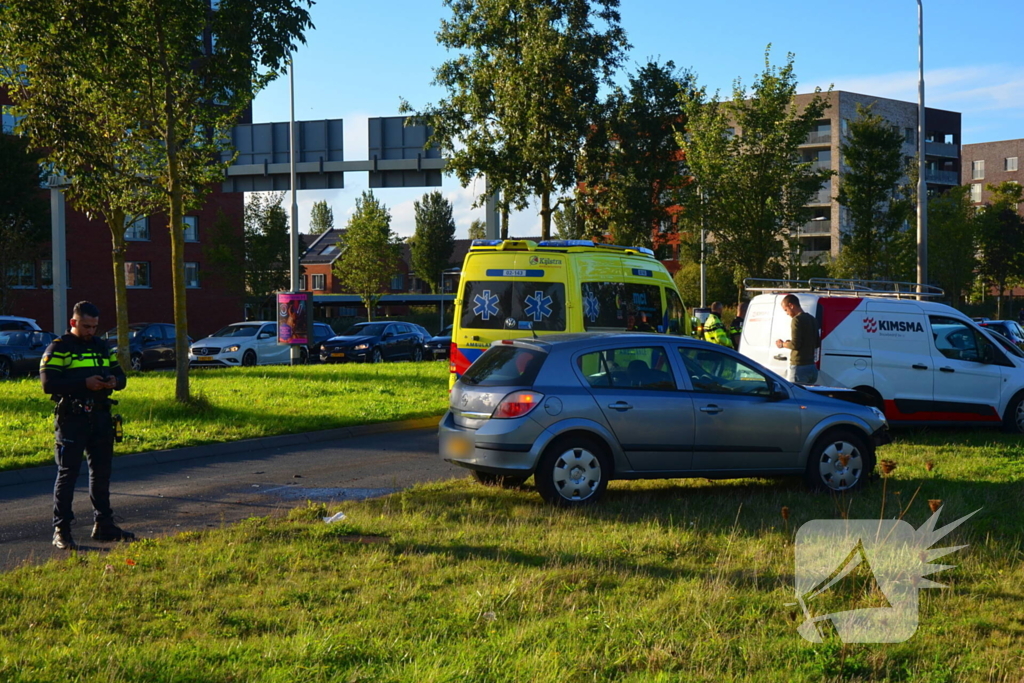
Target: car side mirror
x=386, y=335
x=776, y=392
x=264, y=335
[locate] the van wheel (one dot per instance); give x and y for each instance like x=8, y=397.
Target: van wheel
x=501, y=480
x=839, y=461
x=573, y=472
x=1013, y=421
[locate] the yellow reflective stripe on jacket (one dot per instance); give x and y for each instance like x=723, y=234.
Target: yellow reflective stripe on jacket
x=88, y=360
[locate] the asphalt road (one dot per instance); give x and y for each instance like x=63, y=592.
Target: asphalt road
x=161, y=500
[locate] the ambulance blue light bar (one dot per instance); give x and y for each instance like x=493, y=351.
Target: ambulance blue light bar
x=485, y=243
x=587, y=243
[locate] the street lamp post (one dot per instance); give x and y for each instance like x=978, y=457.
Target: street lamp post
x=294, y=275
x=922, y=186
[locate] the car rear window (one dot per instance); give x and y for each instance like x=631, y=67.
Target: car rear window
x=507, y=366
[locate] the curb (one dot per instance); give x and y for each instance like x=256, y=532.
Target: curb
x=135, y=460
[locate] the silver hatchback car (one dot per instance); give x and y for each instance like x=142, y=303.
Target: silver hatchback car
x=577, y=410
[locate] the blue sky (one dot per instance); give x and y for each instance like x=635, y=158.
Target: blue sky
x=364, y=56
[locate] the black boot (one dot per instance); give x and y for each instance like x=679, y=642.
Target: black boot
x=108, y=531
x=62, y=539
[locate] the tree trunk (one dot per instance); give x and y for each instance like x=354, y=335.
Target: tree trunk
x=999, y=301
x=545, y=214
x=370, y=304
x=504, y=221
x=115, y=221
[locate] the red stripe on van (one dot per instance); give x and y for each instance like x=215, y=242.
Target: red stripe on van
x=894, y=414
x=834, y=310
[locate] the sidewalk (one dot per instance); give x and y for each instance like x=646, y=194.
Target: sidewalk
x=135, y=460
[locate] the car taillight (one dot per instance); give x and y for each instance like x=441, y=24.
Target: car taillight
x=517, y=404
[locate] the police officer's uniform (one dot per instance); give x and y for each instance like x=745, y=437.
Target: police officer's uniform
x=736, y=331
x=83, y=424
x=714, y=331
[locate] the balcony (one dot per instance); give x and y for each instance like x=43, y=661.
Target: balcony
x=941, y=149
x=822, y=196
x=942, y=177
x=817, y=138
x=811, y=256
x=816, y=228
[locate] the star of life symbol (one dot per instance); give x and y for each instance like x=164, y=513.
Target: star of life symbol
x=870, y=325
x=538, y=306
x=896, y=555
x=591, y=306
x=485, y=305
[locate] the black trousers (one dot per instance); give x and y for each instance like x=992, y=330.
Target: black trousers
x=91, y=434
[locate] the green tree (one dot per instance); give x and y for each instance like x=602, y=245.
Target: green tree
x=633, y=165
x=1001, y=237
x=569, y=221
x=749, y=188
x=225, y=253
x=522, y=92
x=372, y=252
x=434, y=240
x=172, y=75
x=477, y=230
x=23, y=213
x=953, y=242
x=718, y=282
x=876, y=192
x=321, y=218
x=267, y=245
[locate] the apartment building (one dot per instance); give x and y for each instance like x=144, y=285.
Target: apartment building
x=821, y=235
x=992, y=163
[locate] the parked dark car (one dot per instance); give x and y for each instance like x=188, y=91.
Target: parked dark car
x=321, y=333
x=1010, y=329
x=439, y=347
x=374, y=342
x=150, y=345
x=20, y=351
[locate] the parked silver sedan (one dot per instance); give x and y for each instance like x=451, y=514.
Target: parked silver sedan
x=577, y=410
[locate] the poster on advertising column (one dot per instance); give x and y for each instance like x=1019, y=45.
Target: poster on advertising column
x=293, y=311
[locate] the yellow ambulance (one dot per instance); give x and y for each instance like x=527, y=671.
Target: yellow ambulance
x=517, y=288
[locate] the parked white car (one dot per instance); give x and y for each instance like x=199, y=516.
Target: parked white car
x=241, y=344
x=921, y=361
x=16, y=322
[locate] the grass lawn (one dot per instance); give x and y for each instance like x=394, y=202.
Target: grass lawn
x=235, y=403
x=664, y=581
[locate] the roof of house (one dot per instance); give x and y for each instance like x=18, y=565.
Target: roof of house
x=323, y=248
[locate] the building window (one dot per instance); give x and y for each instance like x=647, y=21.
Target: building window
x=977, y=170
x=136, y=273
x=976, y=193
x=191, y=228
x=397, y=282
x=46, y=274
x=21, y=275
x=908, y=135
x=1010, y=164
x=303, y=283
x=844, y=126
x=319, y=283
x=137, y=231
x=192, y=274
x=329, y=249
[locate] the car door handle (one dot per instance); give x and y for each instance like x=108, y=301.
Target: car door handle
x=918, y=366
x=947, y=369
x=780, y=357
x=713, y=409
x=620, y=405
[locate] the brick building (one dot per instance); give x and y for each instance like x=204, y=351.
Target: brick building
x=211, y=302
x=992, y=163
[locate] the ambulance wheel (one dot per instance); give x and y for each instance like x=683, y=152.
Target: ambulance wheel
x=839, y=461
x=1013, y=421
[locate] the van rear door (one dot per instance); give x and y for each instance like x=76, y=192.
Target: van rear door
x=757, y=342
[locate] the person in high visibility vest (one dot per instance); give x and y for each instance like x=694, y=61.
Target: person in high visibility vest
x=714, y=329
x=736, y=326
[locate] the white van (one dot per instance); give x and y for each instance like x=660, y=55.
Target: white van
x=922, y=362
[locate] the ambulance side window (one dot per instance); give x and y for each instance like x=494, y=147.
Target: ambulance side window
x=674, y=313
x=621, y=306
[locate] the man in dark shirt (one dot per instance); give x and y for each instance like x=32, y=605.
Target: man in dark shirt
x=803, y=342
x=80, y=372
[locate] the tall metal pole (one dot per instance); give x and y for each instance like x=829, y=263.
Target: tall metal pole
x=58, y=258
x=296, y=277
x=922, y=185
x=703, y=249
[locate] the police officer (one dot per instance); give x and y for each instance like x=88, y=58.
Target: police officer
x=714, y=329
x=80, y=372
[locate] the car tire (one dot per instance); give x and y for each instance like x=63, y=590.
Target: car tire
x=826, y=470
x=249, y=359
x=417, y=354
x=303, y=356
x=6, y=368
x=573, y=472
x=1013, y=420
x=136, y=362
x=376, y=356
x=505, y=482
